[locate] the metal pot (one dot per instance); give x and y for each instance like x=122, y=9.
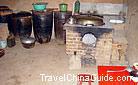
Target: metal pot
x=89, y=20
x=28, y=42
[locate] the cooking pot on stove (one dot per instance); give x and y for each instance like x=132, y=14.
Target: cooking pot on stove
x=89, y=20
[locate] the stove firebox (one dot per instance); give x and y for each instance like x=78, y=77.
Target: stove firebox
x=102, y=49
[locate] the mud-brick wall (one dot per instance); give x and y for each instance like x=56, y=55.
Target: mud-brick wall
x=132, y=31
x=27, y=4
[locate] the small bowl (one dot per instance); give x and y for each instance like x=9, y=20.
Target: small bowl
x=28, y=42
x=39, y=6
x=2, y=52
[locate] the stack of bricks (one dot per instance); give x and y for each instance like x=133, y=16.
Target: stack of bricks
x=73, y=43
x=102, y=51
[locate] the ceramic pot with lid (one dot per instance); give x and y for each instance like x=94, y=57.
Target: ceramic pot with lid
x=20, y=24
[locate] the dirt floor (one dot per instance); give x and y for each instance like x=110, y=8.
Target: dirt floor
x=22, y=66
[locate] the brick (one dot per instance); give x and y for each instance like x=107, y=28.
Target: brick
x=102, y=51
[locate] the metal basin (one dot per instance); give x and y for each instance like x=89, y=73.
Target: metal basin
x=28, y=42
x=89, y=20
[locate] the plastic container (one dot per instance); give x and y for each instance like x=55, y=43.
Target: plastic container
x=3, y=44
x=77, y=7
x=63, y=7
x=39, y=6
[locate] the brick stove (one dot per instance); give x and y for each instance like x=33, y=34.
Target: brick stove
x=103, y=49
